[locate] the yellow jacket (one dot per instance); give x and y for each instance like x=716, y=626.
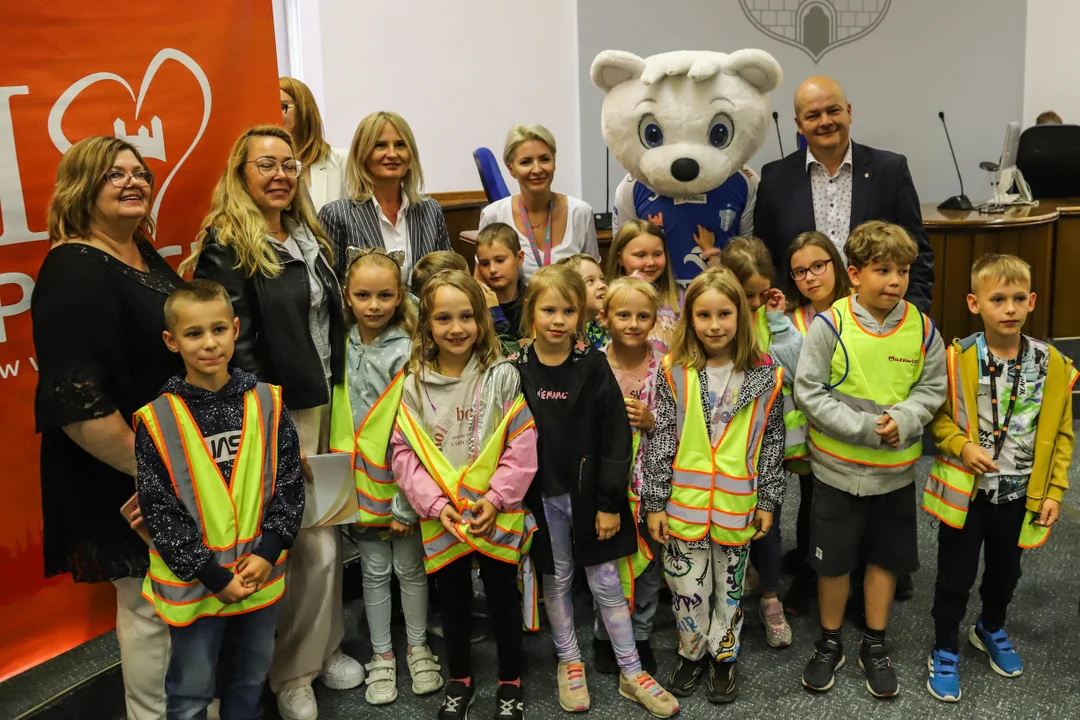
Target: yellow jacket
x=1053, y=435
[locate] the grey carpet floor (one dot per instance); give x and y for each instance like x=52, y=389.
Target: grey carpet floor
x=1043, y=624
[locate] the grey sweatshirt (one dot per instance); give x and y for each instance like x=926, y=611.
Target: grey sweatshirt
x=831, y=417
x=370, y=368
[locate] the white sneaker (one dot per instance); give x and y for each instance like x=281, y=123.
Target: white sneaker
x=381, y=681
x=341, y=672
x=424, y=671
x=297, y=704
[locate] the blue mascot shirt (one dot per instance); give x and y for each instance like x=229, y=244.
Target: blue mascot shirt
x=720, y=210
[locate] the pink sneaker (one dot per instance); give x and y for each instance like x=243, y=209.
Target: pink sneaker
x=777, y=630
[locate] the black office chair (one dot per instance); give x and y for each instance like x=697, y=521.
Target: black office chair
x=1049, y=158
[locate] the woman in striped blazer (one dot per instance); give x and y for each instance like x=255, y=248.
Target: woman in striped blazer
x=385, y=207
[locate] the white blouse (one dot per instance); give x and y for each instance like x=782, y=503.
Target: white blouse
x=580, y=235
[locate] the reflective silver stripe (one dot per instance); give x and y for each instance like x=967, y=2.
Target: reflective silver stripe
x=694, y=480
x=378, y=474
x=692, y=516
x=860, y=404
x=678, y=380
x=955, y=498
x=438, y=544
x=699, y=481
x=176, y=460
x=270, y=442
x=520, y=420
x=789, y=402
x=187, y=594
x=735, y=522
x=375, y=507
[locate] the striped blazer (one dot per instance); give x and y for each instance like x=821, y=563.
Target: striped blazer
x=355, y=224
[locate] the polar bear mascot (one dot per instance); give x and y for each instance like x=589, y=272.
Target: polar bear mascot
x=683, y=124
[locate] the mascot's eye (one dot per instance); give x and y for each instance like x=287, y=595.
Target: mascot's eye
x=721, y=130
x=650, y=133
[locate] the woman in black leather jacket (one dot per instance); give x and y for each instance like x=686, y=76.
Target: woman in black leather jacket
x=263, y=242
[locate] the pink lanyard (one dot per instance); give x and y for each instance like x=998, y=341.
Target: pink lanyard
x=545, y=259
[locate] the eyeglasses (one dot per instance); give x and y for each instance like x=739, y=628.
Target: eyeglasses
x=285, y=107
x=815, y=269
x=269, y=167
x=119, y=178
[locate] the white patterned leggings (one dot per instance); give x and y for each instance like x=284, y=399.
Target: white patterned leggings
x=706, y=593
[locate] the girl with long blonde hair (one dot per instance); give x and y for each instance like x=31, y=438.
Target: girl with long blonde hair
x=262, y=241
x=464, y=453
x=707, y=511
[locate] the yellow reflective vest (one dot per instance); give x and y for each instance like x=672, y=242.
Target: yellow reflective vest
x=951, y=485
x=369, y=446
x=228, y=513
x=795, y=448
x=872, y=372
x=714, y=486
x=630, y=568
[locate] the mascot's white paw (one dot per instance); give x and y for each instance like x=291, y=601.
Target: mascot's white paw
x=683, y=122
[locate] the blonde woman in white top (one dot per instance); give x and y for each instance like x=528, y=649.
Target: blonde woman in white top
x=552, y=226
x=324, y=165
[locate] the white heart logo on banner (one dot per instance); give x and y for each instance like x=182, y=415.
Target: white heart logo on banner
x=56, y=115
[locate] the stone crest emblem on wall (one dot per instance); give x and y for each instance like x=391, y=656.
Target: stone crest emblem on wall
x=816, y=26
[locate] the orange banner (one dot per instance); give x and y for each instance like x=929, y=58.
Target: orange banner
x=180, y=80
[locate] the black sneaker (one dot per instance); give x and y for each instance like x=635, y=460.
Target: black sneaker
x=458, y=701
x=686, y=677
x=604, y=657
x=802, y=592
x=645, y=654
x=722, y=687
x=880, y=675
x=905, y=587
x=510, y=702
x=820, y=672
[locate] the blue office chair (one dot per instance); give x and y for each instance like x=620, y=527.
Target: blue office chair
x=490, y=174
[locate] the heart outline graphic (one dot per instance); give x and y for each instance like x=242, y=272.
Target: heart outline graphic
x=56, y=114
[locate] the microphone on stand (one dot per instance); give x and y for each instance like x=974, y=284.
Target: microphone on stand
x=776, y=122
x=956, y=202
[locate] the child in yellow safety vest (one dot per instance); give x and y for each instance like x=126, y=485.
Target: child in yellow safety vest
x=364, y=408
x=580, y=495
x=1005, y=438
x=629, y=313
x=714, y=475
x=221, y=496
x=464, y=452
x=819, y=278
x=871, y=375
x=749, y=259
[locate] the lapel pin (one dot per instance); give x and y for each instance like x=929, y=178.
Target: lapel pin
x=866, y=175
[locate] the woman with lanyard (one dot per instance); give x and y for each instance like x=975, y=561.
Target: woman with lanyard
x=552, y=226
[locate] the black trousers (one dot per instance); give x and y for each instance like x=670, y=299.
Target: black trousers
x=993, y=530
x=802, y=524
x=454, y=582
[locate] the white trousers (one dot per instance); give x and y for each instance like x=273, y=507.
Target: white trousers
x=309, y=622
x=144, y=651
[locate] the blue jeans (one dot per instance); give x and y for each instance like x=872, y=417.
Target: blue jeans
x=236, y=649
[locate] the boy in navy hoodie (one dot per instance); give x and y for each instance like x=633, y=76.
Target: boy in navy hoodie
x=221, y=495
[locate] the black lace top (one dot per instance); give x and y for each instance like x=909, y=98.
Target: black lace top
x=97, y=334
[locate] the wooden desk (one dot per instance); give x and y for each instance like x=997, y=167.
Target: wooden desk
x=960, y=237
x=1065, y=296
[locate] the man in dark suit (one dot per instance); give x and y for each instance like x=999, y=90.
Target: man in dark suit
x=835, y=184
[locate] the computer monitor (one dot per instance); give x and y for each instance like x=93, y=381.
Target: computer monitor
x=1009, y=148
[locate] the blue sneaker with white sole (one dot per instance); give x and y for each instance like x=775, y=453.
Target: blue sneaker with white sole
x=944, y=680
x=996, y=645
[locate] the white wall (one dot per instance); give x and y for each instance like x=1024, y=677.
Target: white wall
x=1052, y=57
x=461, y=74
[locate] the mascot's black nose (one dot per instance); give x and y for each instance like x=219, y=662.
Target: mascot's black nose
x=684, y=169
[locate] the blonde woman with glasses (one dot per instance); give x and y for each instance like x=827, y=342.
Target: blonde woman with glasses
x=263, y=242
x=324, y=165
x=385, y=206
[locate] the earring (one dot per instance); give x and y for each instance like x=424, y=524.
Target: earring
x=288, y=208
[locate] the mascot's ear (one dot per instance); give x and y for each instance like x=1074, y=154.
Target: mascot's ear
x=756, y=67
x=612, y=67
